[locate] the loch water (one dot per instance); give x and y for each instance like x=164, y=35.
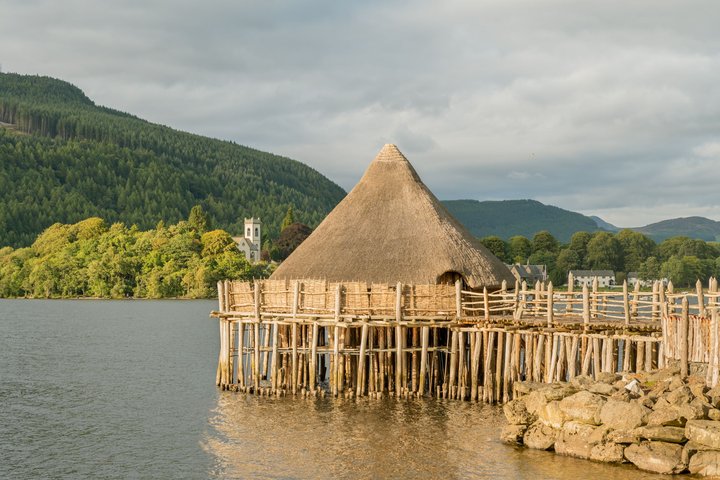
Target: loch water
x=125, y=389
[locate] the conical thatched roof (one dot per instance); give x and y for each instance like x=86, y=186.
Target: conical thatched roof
x=390, y=228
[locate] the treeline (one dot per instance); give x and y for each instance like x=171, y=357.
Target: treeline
x=65, y=159
x=93, y=259
x=682, y=260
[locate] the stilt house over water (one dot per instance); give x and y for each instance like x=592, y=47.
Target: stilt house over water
x=390, y=228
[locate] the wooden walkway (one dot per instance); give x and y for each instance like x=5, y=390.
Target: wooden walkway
x=353, y=339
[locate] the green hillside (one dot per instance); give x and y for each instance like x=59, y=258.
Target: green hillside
x=64, y=159
x=694, y=227
x=507, y=218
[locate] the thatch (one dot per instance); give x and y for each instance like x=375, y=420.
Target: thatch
x=390, y=228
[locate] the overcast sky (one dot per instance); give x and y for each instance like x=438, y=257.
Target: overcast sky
x=609, y=108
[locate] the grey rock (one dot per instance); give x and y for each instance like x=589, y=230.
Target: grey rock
x=607, y=452
x=662, y=434
x=540, y=436
x=658, y=457
x=583, y=407
x=513, y=434
x=517, y=414
x=601, y=388
x=704, y=432
x=620, y=415
x=668, y=416
x=705, y=463
x=550, y=414
x=574, y=440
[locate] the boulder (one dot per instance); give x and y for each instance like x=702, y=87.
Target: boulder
x=691, y=448
x=582, y=382
x=679, y=396
x=536, y=399
x=704, y=432
x=513, y=434
x=705, y=463
x=714, y=414
x=620, y=415
x=658, y=457
x=583, y=407
x=550, y=414
x=668, y=416
x=540, y=436
x=517, y=414
x=675, y=383
x=608, y=377
x=574, y=440
x=607, y=452
x=662, y=434
x=661, y=403
x=622, y=436
x=601, y=388
x=698, y=390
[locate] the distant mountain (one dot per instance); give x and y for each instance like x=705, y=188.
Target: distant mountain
x=506, y=218
x=693, y=227
x=63, y=159
x=604, y=225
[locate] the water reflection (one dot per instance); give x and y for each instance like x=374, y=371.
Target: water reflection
x=326, y=438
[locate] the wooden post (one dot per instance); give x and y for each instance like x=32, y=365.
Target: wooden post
x=423, y=359
x=476, y=365
x=570, y=297
x=586, y=307
x=626, y=303
x=684, y=326
x=700, y=298
x=550, y=304
x=313, y=357
x=499, y=365
x=715, y=345
x=361, y=360
x=398, y=340
x=453, y=362
x=486, y=304
x=458, y=299
x=523, y=304
x=594, y=297
x=294, y=339
x=256, y=337
x=275, y=359
x=336, y=361
x=636, y=296
x=461, y=365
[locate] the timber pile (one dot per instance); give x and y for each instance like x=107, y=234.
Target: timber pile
x=659, y=421
x=313, y=337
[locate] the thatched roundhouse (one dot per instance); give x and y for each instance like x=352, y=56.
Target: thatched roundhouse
x=390, y=228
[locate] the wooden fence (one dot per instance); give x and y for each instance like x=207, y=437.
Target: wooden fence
x=353, y=338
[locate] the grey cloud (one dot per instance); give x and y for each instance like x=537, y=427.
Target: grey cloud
x=606, y=107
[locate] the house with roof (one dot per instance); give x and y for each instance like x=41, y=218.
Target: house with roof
x=530, y=274
x=634, y=277
x=390, y=228
x=251, y=242
x=605, y=278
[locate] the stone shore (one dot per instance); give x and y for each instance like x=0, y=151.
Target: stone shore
x=658, y=421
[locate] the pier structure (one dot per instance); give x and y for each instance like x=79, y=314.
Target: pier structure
x=313, y=337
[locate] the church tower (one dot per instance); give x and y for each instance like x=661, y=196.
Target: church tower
x=253, y=232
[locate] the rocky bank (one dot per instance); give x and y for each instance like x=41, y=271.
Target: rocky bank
x=658, y=421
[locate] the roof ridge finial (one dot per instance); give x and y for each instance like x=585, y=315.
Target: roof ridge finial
x=390, y=153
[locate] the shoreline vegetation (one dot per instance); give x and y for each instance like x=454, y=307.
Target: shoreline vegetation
x=93, y=260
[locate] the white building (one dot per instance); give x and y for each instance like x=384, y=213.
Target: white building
x=251, y=243
x=606, y=278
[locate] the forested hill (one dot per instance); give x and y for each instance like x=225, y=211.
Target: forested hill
x=507, y=218
x=63, y=159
